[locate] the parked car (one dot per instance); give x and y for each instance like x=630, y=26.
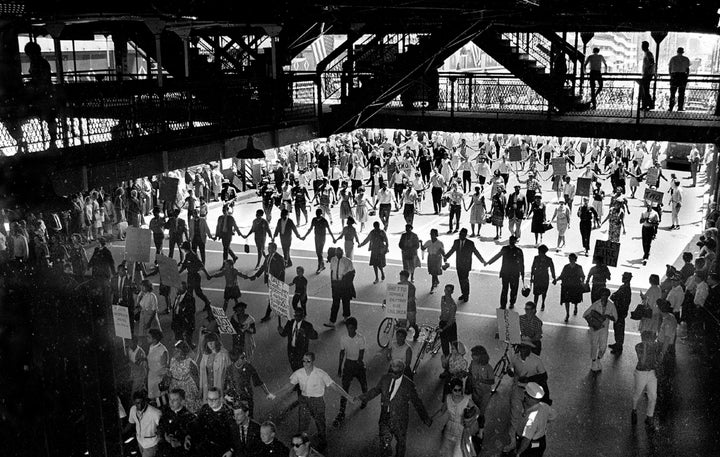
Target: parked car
x=677, y=156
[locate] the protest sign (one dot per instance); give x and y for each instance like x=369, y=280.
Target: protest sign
x=137, y=244
x=121, y=321
x=559, y=166
x=168, y=268
x=583, y=187
x=606, y=252
x=168, y=189
x=508, y=322
x=653, y=196
x=279, y=297
x=396, y=301
x=224, y=325
x=652, y=177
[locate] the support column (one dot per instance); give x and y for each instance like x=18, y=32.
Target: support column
x=658, y=37
x=120, y=44
x=156, y=27
x=55, y=29
x=585, y=37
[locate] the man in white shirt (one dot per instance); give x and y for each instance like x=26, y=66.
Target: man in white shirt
x=676, y=199
x=342, y=274
x=596, y=62
x=534, y=429
x=679, y=69
x=312, y=382
x=384, y=197
x=351, y=364
x=146, y=419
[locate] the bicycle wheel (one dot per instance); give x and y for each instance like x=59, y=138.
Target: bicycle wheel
x=385, y=332
x=499, y=371
x=420, y=355
x=436, y=345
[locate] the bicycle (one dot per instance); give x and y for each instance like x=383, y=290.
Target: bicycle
x=502, y=366
x=387, y=328
x=430, y=336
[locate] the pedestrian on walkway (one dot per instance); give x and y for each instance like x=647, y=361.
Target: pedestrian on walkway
x=157, y=226
x=650, y=221
x=409, y=245
x=465, y=250
x=676, y=201
x=537, y=414
x=515, y=210
x=199, y=233
x=378, y=248
x=648, y=354
x=342, y=275
x=562, y=216
x=145, y=419
x=285, y=229
x=477, y=211
x=351, y=363
x=596, y=62
x=436, y=253
x=384, y=198
x=621, y=298
x=512, y=271
x=320, y=225
x=437, y=187
x=679, y=69
x=539, y=216
x=261, y=229
x=396, y=392
x=448, y=324
x=350, y=235
x=588, y=217
x=455, y=200
x=598, y=316
x=648, y=72
x=600, y=275
x=274, y=265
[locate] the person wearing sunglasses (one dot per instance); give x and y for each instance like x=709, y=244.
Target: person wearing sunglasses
x=300, y=446
x=454, y=406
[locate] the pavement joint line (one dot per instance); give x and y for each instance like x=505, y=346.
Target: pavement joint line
x=435, y=310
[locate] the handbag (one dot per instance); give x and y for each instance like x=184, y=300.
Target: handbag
x=547, y=226
x=641, y=312
x=595, y=320
x=164, y=385
x=585, y=287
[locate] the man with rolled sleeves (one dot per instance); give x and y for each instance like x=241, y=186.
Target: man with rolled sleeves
x=351, y=364
x=679, y=69
x=537, y=415
x=526, y=367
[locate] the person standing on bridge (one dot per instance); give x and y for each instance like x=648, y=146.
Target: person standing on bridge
x=596, y=62
x=679, y=69
x=648, y=72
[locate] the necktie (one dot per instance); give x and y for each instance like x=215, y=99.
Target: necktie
x=392, y=389
x=243, y=433
x=462, y=244
x=295, y=330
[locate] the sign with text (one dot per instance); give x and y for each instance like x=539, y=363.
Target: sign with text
x=168, y=269
x=168, y=189
x=606, y=252
x=515, y=153
x=279, y=297
x=652, y=177
x=508, y=322
x=653, y=196
x=121, y=321
x=396, y=301
x=137, y=244
x=583, y=187
x=224, y=325
x=559, y=166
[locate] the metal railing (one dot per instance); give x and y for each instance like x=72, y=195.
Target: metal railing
x=533, y=44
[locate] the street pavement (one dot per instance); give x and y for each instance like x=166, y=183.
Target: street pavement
x=594, y=409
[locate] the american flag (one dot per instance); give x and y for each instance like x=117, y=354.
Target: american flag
x=321, y=47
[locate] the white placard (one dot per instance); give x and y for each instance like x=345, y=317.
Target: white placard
x=121, y=321
x=508, y=322
x=279, y=297
x=396, y=301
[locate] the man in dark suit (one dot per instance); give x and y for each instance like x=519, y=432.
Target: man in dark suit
x=515, y=210
x=465, y=250
x=226, y=226
x=285, y=228
x=177, y=232
x=246, y=433
x=396, y=392
x=274, y=265
x=512, y=269
x=299, y=332
x=122, y=290
x=183, y=317
x=271, y=446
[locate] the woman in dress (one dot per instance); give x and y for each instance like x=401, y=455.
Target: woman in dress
x=454, y=406
x=636, y=175
x=137, y=362
x=244, y=325
x=89, y=219
x=147, y=303
x=497, y=211
x=109, y=221
x=350, y=235
x=240, y=378
x=477, y=211
x=537, y=225
x=480, y=383
x=157, y=362
x=184, y=374
x=562, y=216
x=436, y=251
x=361, y=212
x=616, y=216
x=539, y=277
x=346, y=198
x=214, y=361
x=497, y=183
x=378, y=248
x=571, y=291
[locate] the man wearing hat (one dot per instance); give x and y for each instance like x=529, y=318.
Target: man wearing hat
x=679, y=69
x=515, y=210
x=531, y=438
x=526, y=368
x=621, y=298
